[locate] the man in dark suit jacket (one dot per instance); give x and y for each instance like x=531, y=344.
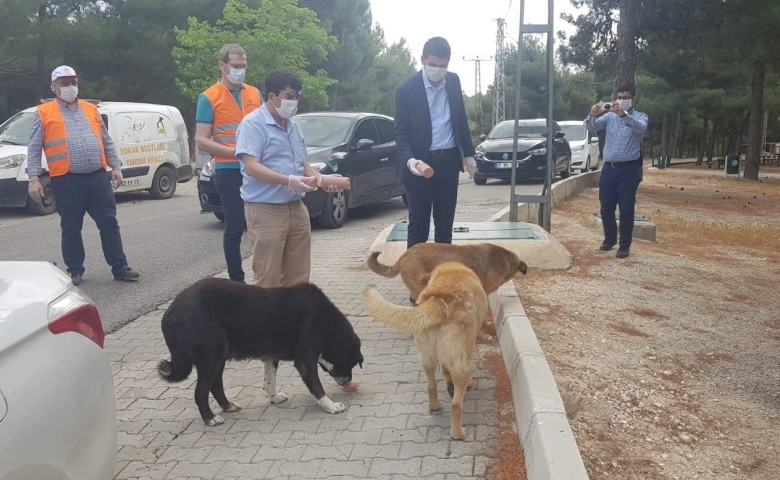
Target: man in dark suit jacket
x=431, y=128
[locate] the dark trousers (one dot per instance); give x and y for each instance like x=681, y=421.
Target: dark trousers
x=438, y=193
x=77, y=194
x=228, y=182
x=617, y=187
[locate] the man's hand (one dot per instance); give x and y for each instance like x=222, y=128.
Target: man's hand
x=116, y=177
x=35, y=189
x=596, y=109
x=301, y=184
x=471, y=166
x=618, y=109
x=420, y=168
x=330, y=183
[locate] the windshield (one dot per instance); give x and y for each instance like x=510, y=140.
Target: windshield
x=16, y=131
x=574, y=132
x=322, y=131
x=507, y=130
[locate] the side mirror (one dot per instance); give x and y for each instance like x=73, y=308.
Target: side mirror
x=559, y=134
x=594, y=139
x=482, y=137
x=364, y=144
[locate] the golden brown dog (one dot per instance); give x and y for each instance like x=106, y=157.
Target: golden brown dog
x=493, y=265
x=449, y=313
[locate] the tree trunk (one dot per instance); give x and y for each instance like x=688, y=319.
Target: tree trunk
x=665, y=135
x=626, y=42
x=752, y=159
x=711, y=146
x=41, y=51
x=674, y=133
x=703, y=141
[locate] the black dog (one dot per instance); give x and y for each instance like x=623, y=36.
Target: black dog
x=216, y=319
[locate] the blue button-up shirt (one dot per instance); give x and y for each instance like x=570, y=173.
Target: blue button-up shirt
x=283, y=151
x=439, y=106
x=83, y=147
x=624, y=134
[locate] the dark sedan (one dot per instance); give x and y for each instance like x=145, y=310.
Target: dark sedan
x=494, y=154
x=360, y=146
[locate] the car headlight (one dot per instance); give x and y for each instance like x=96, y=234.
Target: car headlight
x=318, y=166
x=13, y=161
x=208, y=170
x=538, y=151
x=578, y=149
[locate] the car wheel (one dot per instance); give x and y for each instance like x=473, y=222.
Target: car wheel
x=164, y=183
x=220, y=216
x=480, y=180
x=48, y=203
x=404, y=199
x=567, y=171
x=334, y=214
x=596, y=167
x=587, y=166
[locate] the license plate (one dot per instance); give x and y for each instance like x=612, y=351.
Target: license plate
x=502, y=165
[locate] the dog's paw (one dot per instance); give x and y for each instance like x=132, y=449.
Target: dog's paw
x=436, y=410
x=279, y=398
x=233, y=407
x=217, y=420
x=457, y=433
x=330, y=406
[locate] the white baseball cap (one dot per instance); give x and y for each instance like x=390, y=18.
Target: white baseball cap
x=63, y=71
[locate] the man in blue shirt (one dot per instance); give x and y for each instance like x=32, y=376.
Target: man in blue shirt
x=272, y=153
x=622, y=171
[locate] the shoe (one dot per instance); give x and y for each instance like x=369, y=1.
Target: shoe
x=127, y=275
x=76, y=279
x=605, y=247
x=622, y=252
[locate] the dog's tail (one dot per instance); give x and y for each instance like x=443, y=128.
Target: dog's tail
x=426, y=314
x=175, y=370
x=380, y=269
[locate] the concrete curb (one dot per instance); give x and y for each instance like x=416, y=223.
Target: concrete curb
x=548, y=442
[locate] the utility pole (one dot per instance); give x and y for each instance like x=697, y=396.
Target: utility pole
x=478, y=113
x=499, y=87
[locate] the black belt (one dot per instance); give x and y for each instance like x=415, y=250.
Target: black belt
x=624, y=164
x=440, y=152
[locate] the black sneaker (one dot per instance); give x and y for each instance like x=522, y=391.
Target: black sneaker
x=128, y=275
x=622, y=252
x=76, y=279
x=605, y=247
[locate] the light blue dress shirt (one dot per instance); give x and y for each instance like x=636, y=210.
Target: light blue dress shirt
x=283, y=151
x=624, y=134
x=439, y=106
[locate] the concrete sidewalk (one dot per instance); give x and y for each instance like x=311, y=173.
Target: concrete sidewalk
x=386, y=433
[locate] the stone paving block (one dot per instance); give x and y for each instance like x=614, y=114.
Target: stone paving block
x=333, y=467
x=204, y=471
x=463, y=466
x=381, y=466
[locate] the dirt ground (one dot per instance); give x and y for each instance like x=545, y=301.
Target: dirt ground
x=669, y=361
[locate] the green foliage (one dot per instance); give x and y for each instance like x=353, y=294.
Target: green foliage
x=277, y=34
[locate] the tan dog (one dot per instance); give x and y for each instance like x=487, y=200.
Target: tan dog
x=449, y=313
x=493, y=265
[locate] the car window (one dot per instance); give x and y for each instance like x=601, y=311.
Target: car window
x=574, y=132
x=324, y=131
x=365, y=131
x=16, y=131
x=385, y=127
x=105, y=120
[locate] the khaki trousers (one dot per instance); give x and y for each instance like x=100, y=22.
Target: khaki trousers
x=281, y=235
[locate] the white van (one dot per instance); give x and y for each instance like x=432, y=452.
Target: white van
x=151, y=141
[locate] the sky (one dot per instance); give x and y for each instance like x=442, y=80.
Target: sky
x=468, y=25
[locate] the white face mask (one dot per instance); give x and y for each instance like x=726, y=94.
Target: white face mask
x=434, y=74
x=626, y=104
x=69, y=94
x=288, y=108
x=237, y=75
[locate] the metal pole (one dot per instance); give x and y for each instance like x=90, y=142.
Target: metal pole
x=512, y=204
x=546, y=208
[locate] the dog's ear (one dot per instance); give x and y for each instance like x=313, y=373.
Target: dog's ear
x=360, y=362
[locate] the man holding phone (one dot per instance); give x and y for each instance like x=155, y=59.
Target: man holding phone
x=622, y=171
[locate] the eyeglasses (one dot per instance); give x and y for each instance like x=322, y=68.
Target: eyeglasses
x=240, y=67
x=290, y=94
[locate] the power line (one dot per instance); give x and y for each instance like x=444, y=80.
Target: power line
x=499, y=87
x=478, y=94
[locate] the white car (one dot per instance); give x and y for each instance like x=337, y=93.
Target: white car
x=584, y=146
x=57, y=414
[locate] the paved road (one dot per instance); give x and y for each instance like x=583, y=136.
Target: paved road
x=171, y=244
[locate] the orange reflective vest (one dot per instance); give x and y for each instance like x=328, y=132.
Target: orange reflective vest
x=227, y=115
x=55, y=135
